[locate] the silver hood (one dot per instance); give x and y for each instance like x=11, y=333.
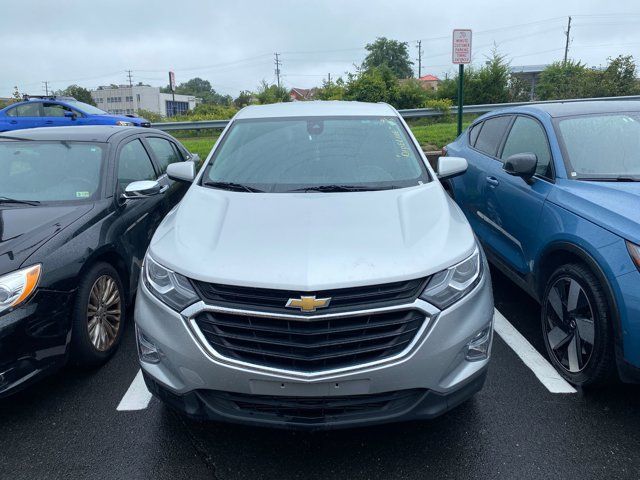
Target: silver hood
x=312, y=241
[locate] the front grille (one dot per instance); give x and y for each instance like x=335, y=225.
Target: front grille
x=312, y=410
x=310, y=345
x=341, y=299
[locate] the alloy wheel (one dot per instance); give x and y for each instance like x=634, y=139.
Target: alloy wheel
x=104, y=313
x=569, y=324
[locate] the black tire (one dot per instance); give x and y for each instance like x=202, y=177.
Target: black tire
x=84, y=352
x=584, y=364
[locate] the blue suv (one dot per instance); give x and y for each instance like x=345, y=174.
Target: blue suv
x=37, y=112
x=553, y=193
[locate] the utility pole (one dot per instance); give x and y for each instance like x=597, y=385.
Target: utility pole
x=45, y=85
x=329, y=77
x=130, y=80
x=566, y=45
x=278, y=63
x=419, y=58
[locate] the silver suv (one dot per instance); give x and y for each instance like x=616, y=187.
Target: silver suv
x=315, y=275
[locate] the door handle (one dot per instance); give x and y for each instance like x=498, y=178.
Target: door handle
x=493, y=181
x=49, y=122
x=13, y=122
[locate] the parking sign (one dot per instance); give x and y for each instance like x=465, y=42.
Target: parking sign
x=461, y=49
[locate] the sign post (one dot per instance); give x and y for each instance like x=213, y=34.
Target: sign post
x=461, y=54
x=172, y=87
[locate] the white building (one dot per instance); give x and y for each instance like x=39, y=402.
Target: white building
x=123, y=100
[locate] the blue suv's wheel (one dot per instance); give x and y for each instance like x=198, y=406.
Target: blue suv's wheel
x=576, y=326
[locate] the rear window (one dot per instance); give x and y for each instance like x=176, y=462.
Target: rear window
x=491, y=135
x=292, y=154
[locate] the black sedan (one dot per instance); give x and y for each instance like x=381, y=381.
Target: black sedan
x=78, y=207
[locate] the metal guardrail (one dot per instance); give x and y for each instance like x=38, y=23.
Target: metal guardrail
x=409, y=113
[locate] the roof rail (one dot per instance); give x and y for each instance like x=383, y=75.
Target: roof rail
x=27, y=97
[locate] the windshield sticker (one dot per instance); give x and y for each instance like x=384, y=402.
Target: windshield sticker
x=83, y=194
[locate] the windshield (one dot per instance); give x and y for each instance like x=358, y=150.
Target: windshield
x=50, y=171
x=603, y=146
x=85, y=107
x=297, y=154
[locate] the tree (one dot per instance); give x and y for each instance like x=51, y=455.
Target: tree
x=272, y=93
x=79, y=93
x=562, y=80
x=390, y=53
x=619, y=78
x=331, y=90
x=490, y=84
x=16, y=94
x=410, y=94
x=200, y=88
x=377, y=84
x=243, y=99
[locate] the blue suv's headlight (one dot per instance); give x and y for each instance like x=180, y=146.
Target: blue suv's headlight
x=634, y=251
x=450, y=285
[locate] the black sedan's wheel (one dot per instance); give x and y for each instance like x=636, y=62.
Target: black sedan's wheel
x=576, y=326
x=98, y=316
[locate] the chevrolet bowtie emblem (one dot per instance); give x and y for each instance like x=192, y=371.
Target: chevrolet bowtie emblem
x=308, y=304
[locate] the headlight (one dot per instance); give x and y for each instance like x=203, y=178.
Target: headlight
x=15, y=287
x=170, y=287
x=124, y=124
x=450, y=285
x=634, y=251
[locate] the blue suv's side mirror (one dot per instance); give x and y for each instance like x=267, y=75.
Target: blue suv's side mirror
x=521, y=165
x=71, y=115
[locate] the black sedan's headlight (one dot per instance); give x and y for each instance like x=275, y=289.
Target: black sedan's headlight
x=18, y=286
x=168, y=286
x=450, y=285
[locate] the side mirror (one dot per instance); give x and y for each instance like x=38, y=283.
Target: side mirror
x=521, y=165
x=182, y=171
x=143, y=189
x=71, y=115
x=449, y=167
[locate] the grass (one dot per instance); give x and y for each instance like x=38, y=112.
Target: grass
x=432, y=136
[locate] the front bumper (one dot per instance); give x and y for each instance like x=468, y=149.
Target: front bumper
x=189, y=375
x=33, y=339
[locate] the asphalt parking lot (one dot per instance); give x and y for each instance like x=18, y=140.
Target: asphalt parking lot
x=69, y=426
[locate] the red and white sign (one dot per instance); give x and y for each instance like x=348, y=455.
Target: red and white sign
x=461, y=49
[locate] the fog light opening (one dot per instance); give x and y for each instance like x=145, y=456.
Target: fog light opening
x=147, y=350
x=478, y=347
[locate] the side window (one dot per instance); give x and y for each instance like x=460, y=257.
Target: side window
x=528, y=136
x=54, y=110
x=31, y=109
x=12, y=112
x=491, y=134
x=165, y=151
x=134, y=164
x=473, y=133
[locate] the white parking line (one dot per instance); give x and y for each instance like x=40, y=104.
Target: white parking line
x=137, y=396
x=539, y=365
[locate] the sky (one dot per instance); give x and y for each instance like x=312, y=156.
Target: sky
x=232, y=43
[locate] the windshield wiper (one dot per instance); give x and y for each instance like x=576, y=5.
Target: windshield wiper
x=232, y=186
x=15, y=200
x=337, y=188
